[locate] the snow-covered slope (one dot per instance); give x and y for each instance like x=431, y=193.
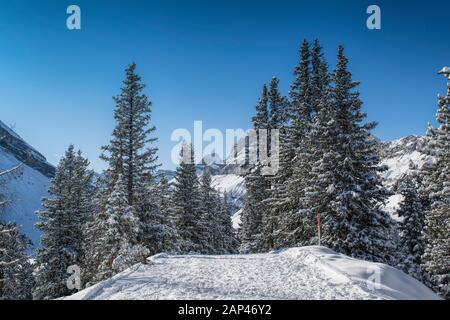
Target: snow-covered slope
x=25, y=193
x=233, y=185
x=27, y=189
x=22, y=151
x=397, y=156
x=296, y=273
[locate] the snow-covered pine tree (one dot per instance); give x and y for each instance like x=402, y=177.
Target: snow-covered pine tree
x=261, y=121
x=250, y=233
x=256, y=186
x=261, y=118
x=93, y=232
x=16, y=272
x=278, y=105
x=347, y=189
x=114, y=235
x=131, y=152
x=160, y=230
x=298, y=225
x=61, y=221
x=319, y=78
x=186, y=201
x=210, y=214
x=436, y=182
x=411, y=244
x=300, y=108
x=164, y=201
x=295, y=120
x=228, y=242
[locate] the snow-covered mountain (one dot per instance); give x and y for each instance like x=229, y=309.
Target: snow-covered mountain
x=28, y=187
x=23, y=152
x=396, y=155
x=27, y=190
x=296, y=273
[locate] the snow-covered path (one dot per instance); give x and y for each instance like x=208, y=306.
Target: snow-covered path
x=297, y=273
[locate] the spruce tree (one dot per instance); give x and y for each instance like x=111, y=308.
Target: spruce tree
x=160, y=229
x=228, y=242
x=219, y=235
x=296, y=120
x=123, y=232
x=251, y=231
x=16, y=272
x=319, y=78
x=261, y=118
x=411, y=245
x=131, y=152
x=210, y=214
x=186, y=200
x=61, y=221
x=256, y=185
x=300, y=108
x=261, y=123
x=298, y=224
x=278, y=105
x=93, y=232
x=112, y=237
x=436, y=181
x=346, y=186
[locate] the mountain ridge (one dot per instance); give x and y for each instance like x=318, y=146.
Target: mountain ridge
x=27, y=190
x=22, y=151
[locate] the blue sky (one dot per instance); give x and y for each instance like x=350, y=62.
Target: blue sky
x=206, y=60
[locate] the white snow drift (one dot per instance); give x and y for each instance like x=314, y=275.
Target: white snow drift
x=296, y=273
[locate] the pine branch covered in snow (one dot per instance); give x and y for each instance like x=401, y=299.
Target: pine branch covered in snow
x=411, y=244
x=436, y=185
x=186, y=201
x=16, y=272
x=61, y=221
x=159, y=227
x=256, y=184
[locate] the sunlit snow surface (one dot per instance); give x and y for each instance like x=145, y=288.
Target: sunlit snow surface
x=296, y=273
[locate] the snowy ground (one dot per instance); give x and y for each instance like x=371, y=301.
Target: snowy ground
x=297, y=273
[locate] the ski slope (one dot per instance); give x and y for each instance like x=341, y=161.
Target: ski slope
x=296, y=273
